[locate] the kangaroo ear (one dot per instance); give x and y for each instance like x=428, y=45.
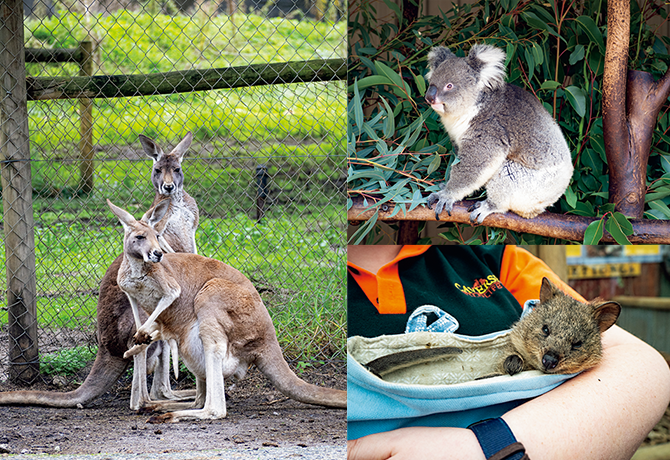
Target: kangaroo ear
x=181, y=148
x=606, y=314
x=548, y=290
x=151, y=148
x=155, y=214
x=126, y=219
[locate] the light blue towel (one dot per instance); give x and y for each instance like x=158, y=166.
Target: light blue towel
x=375, y=405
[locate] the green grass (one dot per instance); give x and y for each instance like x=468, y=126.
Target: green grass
x=140, y=43
x=68, y=361
x=297, y=265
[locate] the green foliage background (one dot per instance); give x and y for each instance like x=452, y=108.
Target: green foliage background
x=399, y=151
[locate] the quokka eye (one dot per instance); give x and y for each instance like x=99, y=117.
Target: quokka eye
x=577, y=345
x=545, y=330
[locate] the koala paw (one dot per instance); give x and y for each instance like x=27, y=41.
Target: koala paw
x=479, y=211
x=513, y=364
x=443, y=204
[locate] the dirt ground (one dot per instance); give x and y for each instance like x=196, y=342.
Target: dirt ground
x=258, y=417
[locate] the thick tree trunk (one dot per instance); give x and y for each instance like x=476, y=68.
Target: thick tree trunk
x=631, y=103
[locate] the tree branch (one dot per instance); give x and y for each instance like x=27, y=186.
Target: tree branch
x=560, y=226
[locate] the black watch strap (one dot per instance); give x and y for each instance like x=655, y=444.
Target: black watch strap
x=495, y=437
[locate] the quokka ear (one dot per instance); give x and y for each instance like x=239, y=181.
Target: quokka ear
x=606, y=314
x=548, y=290
x=150, y=147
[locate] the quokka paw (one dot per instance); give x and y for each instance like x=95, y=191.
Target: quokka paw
x=513, y=364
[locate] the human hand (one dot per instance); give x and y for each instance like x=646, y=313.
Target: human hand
x=442, y=443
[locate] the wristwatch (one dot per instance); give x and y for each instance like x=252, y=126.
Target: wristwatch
x=497, y=440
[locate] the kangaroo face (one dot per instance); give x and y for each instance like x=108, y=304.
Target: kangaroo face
x=167, y=175
x=140, y=239
x=141, y=242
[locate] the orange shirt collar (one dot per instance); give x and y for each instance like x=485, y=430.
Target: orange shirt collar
x=384, y=289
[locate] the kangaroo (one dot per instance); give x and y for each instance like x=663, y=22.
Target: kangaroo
x=215, y=315
x=168, y=180
x=116, y=324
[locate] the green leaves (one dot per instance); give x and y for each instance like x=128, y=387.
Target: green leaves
x=588, y=25
x=403, y=150
x=615, y=223
x=577, y=99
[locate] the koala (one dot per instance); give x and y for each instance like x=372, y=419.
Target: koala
x=560, y=336
x=503, y=137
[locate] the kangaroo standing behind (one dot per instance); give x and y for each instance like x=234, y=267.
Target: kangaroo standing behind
x=215, y=315
x=168, y=179
x=115, y=322
x=561, y=335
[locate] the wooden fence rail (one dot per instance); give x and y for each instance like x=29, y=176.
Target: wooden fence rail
x=185, y=81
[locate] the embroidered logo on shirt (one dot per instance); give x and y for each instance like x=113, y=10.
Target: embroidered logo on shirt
x=482, y=287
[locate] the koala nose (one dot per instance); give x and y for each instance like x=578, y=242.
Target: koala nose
x=550, y=360
x=431, y=93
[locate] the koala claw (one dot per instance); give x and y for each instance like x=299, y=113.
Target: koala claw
x=442, y=204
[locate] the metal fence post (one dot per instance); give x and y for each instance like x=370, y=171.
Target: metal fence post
x=17, y=197
x=261, y=190
x=86, y=168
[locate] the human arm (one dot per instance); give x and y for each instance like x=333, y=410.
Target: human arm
x=603, y=413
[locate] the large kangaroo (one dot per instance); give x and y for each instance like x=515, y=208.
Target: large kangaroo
x=215, y=315
x=115, y=321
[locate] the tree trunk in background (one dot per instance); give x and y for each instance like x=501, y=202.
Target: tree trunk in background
x=631, y=103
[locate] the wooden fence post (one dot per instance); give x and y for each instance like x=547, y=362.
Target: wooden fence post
x=86, y=167
x=17, y=197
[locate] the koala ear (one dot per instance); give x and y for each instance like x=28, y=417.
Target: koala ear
x=489, y=61
x=437, y=56
x=606, y=314
x=548, y=290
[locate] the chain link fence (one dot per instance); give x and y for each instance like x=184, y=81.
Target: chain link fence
x=266, y=165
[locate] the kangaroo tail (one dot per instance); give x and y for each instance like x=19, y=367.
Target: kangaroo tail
x=271, y=363
x=105, y=372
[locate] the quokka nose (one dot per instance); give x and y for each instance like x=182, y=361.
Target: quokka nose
x=431, y=93
x=550, y=361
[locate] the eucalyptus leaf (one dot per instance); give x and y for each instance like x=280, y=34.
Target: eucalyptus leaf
x=589, y=26
x=660, y=206
x=614, y=228
x=577, y=99
x=594, y=232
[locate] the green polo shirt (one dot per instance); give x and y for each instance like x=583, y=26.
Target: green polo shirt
x=461, y=280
